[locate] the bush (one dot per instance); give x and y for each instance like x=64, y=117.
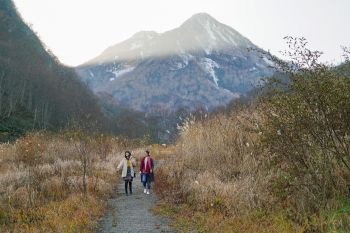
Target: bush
x=307, y=130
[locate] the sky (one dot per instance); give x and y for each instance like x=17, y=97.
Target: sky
x=78, y=30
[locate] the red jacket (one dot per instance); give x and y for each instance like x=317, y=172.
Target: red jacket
x=146, y=168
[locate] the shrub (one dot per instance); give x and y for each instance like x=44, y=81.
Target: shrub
x=307, y=130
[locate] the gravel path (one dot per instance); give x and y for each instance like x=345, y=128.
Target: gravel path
x=131, y=214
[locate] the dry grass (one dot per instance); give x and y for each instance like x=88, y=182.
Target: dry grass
x=217, y=164
x=224, y=179
x=161, y=152
x=186, y=219
x=42, y=181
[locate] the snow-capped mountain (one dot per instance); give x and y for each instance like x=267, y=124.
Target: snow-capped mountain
x=202, y=63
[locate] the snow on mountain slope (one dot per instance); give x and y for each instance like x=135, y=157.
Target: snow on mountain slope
x=202, y=63
x=209, y=67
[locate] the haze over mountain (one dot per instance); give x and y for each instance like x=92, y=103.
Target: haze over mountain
x=201, y=64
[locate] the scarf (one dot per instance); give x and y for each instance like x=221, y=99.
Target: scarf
x=148, y=164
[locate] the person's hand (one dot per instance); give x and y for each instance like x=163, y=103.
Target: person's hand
x=151, y=170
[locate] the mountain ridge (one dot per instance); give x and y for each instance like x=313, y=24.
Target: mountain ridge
x=201, y=63
x=197, y=22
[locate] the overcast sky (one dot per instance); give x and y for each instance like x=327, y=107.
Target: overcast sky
x=78, y=30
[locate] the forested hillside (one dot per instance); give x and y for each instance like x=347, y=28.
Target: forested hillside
x=36, y=90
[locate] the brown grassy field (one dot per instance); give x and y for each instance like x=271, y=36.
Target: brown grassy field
x=57, y=183
x=222, y=178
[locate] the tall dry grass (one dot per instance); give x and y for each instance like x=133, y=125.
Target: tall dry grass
x=223, y=168
x=42, y=179
x=218, y=164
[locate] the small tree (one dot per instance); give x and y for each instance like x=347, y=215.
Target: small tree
x=30, y=151
x=84, y=147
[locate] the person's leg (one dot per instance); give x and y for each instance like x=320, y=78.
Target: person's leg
x=126, y=187
x=144, y=186
x=130, y=187
x=144, y=183
x=148, y=184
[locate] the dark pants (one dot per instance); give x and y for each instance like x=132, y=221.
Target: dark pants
x=128, y=183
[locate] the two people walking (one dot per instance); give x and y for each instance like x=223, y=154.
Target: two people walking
x=128, y=165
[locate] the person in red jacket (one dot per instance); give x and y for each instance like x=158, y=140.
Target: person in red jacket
x=146, y=170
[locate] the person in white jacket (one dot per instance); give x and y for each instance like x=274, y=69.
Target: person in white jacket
x=127, y=165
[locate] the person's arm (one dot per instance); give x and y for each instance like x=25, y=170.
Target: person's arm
x=120, y=164
x=152, y=165
x=141, y=165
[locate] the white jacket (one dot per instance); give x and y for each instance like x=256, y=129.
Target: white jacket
x=124, y=165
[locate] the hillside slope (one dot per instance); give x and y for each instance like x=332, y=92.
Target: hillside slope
x=36, y=90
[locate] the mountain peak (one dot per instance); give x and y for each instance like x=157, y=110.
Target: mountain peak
x=199, y=34
x=200, y=18
x=210, y=34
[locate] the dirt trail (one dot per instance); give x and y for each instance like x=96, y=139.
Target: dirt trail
x=132, y=213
